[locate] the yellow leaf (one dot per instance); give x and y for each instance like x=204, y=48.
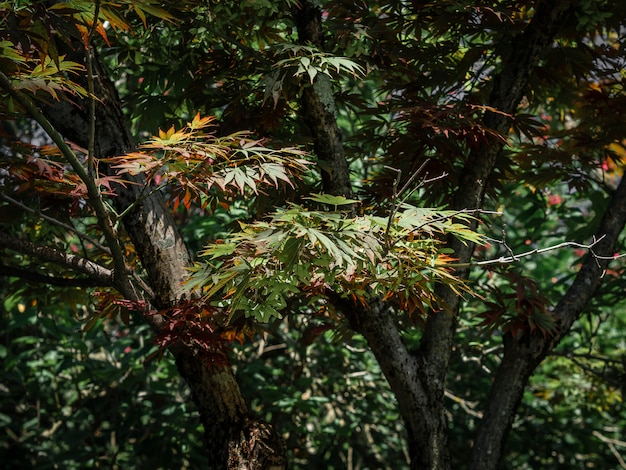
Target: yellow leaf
x=199, y=122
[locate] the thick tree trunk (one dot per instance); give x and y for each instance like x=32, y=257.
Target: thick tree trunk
x=523, y=354
x=318, y=109
x=418, y=391
x=418, y=380
x=234, y=440
x=404, y=374
x=508, y=91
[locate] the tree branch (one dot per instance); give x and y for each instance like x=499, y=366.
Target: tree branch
x=612, y=443
x=318, y=109
x=56, y=222
x=95, y=198
x=230, y=431
x=523, y=354
x=376, y=323
x=32, y=276
x=91, y=167
x=513, y=257
x=421, y=411
x=97, y=273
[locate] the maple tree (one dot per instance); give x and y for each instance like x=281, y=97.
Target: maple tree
x=393, y=171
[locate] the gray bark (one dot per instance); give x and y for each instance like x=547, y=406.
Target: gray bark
x=233, y=438
x=507, y=92
x=418, y=378
x=523, y=354
x=97, y=274
x=318, y=110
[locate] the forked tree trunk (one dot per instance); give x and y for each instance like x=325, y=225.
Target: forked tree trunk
x=418, y=378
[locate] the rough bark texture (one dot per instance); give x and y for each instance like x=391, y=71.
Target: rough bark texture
x=523, y=354
x=406, y=379
x=318, y=110
x=508, y=91
x=234, y=440
x=418, y=379
x=95, y=272
x=426, y=430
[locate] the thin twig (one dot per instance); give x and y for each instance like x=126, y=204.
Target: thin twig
x=396, y=194
x=589, y=369
x=612, y=443
x=517, y=257
x=413, y=176
x=467, y=406
x=394, y=207
x=56, y=222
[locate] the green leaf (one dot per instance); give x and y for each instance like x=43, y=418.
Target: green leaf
x=331, y=200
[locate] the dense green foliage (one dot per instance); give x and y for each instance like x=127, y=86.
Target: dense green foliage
x=83, y=382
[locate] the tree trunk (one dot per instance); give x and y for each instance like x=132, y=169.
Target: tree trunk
x=234, y=440
x=418, y=390
x=523, y=354
x=410, y=386
x=507, y=92
x=319, y=112
x=418, y=379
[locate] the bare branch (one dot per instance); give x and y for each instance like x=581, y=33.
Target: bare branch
x=467, y=406
x=56, y=222
x=397, y=193
x=96, y=272
x=608, y=362
x=612, y=443
x=83, y=282
x=521, y=356
x=516, y=257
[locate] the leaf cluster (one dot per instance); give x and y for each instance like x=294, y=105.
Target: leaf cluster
x=196, y=163
x=518, y=311
x=310, y=61
x=305, y=254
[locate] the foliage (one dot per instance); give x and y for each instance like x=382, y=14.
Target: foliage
x=412, y=83
x=193, y=162
x=300, y=251
x=72, y=397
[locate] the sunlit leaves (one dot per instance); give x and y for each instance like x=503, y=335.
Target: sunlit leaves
x=39, y=26
x=304, y=254
x=50, y=77
x=307, y=60
x=196, y=162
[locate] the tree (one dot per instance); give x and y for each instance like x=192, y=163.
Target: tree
x=491, y=113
